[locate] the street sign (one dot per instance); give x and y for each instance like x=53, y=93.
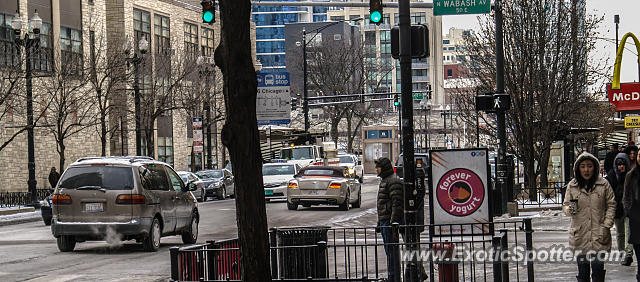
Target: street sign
x=273, y=101
x=418, y=96
x=198, y=143
x=459, y=193
x=459, y=7
x=631, y=122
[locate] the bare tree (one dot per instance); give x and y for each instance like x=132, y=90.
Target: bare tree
x=550, y=75
x=107, y=77
x=240, y=135
x=69, y=111
x=11, y=85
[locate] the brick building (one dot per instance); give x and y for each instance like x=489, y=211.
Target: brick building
x=74, y=33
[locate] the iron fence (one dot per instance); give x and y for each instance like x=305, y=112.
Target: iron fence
x=358, y=254
x=551, y=195
x=14, y=199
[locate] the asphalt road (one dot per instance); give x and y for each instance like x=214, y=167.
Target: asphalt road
x=28, y=251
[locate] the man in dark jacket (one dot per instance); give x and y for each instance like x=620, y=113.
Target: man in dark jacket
x=611, y=155
x=390, y=210
x=54, y=176
x=616, y=177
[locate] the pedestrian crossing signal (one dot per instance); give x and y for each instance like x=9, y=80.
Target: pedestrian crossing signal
x=396, y=102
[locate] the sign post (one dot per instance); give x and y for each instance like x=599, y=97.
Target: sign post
x=273, y=101
x=196, y=122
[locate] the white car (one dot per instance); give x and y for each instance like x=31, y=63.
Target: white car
x=353, y=164
x=275, y=177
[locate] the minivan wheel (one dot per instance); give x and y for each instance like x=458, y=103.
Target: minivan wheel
x=190, y=236
x=152, y=242
x=223, y=195
x=66, y=243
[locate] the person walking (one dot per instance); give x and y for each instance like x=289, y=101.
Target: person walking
x=591, y=204
x=631, y=204
x=390, y=206
x=54, y=176
x=608, y=159
x=632, y=152
x=616, y=178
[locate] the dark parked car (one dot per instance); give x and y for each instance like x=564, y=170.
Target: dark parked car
x=218, y=183
x=189, y=178
x=46, y=210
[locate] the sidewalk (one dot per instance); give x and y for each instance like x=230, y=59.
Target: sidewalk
x=18, y=214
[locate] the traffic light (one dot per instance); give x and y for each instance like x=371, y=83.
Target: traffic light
x=294, y=103
x=375, y=11
x=208, y=11
x=396, y=102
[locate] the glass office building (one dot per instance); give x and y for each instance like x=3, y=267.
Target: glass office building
x=270, y=21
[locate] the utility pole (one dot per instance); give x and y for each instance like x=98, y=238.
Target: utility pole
x=501, y=166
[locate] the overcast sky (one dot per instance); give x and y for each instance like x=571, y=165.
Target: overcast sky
x=629, y=22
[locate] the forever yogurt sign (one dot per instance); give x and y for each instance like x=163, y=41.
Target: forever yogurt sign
x=460, y=192
x=459, y=195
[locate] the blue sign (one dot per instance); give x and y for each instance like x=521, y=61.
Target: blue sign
x=273, y=79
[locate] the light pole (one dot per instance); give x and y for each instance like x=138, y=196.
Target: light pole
x=143, y=46
x=207, y=70
x=29, y=42
x=303, y=44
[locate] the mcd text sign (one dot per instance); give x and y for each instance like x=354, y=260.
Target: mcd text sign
x=624, y=96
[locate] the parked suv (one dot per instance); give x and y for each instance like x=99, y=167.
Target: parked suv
x=133, y=197
x=399, y=168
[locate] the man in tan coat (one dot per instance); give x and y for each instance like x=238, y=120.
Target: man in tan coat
x=590, y=203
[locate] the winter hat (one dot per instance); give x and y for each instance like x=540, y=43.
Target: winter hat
x=384, y=164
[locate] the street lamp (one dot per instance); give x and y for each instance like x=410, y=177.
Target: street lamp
x=143, y=46
x=30, y=40
x=305, y=102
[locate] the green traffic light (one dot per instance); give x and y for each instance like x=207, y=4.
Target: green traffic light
x=207, y=16
x=375, y=17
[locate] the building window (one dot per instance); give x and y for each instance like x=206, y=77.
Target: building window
x=337, y=18
x=141, y=26
x=191, y=41
x=449, y=73
x=161, y=35
x=71, y=50
x=207, y=42
x=41, y=60
x=165, y=150
x=418, y=18
x=8, y=51
x=354, y=20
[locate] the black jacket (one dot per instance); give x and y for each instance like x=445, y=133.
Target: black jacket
x=618, y=192
x=390, y=200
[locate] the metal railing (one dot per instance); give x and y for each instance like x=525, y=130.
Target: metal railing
x=550, y=196
x=358, y=254
x=16, y=199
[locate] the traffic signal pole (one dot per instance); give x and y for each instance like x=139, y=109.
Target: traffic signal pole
x=501, y=166
x=406, y=104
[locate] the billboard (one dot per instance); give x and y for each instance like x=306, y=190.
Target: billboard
x=459, y=191
x=625, y=96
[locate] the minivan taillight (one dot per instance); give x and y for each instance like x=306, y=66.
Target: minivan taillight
x=130, y=199
x=61, y=200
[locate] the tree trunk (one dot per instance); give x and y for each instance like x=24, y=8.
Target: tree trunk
x=334, y=131
x=103, y=134
x=61, y=149
x=240, y=135
x=544, y=167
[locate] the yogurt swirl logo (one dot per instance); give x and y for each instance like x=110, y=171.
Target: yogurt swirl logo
x=460, y=192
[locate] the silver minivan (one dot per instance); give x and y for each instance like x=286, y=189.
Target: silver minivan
x=131, y=198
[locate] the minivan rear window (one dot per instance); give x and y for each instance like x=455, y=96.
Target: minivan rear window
x=107, y=177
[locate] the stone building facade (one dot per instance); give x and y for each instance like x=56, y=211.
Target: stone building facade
x=74, y=27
